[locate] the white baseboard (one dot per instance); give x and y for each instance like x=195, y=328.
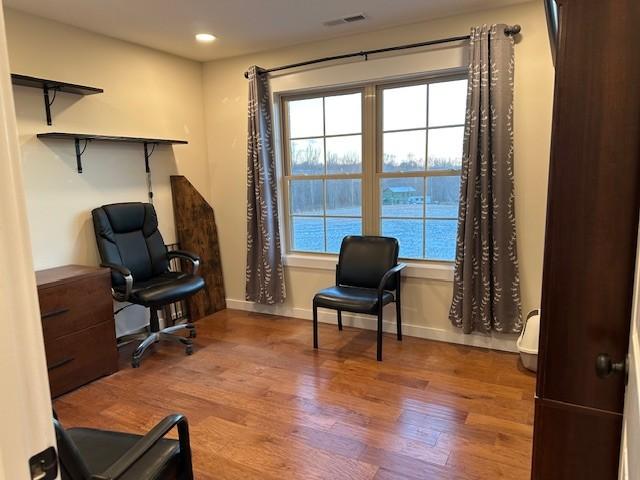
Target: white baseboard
x=367, y=322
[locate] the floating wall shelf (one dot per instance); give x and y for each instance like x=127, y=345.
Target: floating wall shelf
x=54, y=86
x=86, y=138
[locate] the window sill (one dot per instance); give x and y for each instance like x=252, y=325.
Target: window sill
x=427, y=270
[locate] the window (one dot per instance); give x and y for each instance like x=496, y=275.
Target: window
x=381, y=159
x=420, y=134
x=324, y=170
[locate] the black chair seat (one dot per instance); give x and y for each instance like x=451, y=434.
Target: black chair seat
x=100, y=449
x=161, y=279
x=352, y=299
x=166, y=288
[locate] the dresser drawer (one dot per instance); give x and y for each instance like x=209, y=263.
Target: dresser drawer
x=76, y=359
x=74, y=306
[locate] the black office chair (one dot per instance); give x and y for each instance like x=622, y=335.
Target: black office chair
x=367, y=279
x=130, y=244
x=91, y=454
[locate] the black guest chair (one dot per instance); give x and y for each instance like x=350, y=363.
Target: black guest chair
x=91, y=454
x=367, y=279
x=130, y=244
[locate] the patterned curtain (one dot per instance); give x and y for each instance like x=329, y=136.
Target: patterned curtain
x=265, y=272
x=486, y=287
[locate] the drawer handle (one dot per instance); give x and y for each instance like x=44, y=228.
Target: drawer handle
x=60, y=311
x=60, y=363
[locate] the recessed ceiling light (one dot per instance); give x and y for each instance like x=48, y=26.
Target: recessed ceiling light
x=205, y=37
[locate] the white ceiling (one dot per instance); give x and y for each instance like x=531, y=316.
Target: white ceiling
x=242, y=26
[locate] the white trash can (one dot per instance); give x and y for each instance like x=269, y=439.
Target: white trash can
x=528, y=341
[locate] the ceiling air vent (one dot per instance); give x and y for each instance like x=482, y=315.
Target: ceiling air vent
x=358, y=17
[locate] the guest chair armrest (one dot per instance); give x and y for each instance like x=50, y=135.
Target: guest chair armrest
x=388, y=274
x=128, y=280
x=142, y=446
x=192, y=257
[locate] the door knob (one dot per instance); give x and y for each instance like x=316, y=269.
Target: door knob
x=605, y=366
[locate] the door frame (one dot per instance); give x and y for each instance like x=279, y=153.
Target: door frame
x=630, y=464
x=25, y=412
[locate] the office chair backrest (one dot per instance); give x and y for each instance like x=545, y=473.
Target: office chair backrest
x=128, y=235
x=72, y=467
x=364, y=260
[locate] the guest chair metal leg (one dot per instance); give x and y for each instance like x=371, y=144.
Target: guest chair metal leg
x=398, y=314
x=339, y=319
x=379, y=350
x=315, y=326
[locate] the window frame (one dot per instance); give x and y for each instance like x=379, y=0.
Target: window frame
x=372, y=155
x=424, y=174
x=287, y=176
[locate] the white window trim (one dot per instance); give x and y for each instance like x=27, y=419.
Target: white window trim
x=442, y=271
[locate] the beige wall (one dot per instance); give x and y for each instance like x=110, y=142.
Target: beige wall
x=149, y=93
x=146, y=93
x=426, y=301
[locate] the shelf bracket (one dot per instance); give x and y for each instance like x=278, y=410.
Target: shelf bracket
x=80, y=152
x=147, y=168
x=48, y=102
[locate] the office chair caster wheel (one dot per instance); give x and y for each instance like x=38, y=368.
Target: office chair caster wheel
x=135, y=363
x=189, y=350
x=192, y=333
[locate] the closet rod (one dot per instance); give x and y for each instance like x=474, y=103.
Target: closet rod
x=512, y=30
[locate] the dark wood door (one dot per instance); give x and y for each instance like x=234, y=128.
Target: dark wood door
x=590, y=246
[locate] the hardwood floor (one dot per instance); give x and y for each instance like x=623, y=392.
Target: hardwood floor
x=262, y=404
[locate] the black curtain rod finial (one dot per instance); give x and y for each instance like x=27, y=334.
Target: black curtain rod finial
x=259, y=71
x=513, y=30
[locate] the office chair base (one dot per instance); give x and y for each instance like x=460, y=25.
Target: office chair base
x=132, y=337
x=165, y=334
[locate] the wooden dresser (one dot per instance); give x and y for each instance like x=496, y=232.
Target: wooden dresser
x=78, y=325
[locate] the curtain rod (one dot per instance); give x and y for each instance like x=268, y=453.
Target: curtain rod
x=512, y=30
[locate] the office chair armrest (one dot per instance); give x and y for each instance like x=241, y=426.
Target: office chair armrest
x=387, y=275
x=142, y=446
x=192, y=257
x=128, y=280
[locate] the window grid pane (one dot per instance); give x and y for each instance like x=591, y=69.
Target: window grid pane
x=444, y=148
x=343, y=114
x=306, y=118
x=307, y=234
x=307, y=156
x=404, y=151
x=343, y=154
